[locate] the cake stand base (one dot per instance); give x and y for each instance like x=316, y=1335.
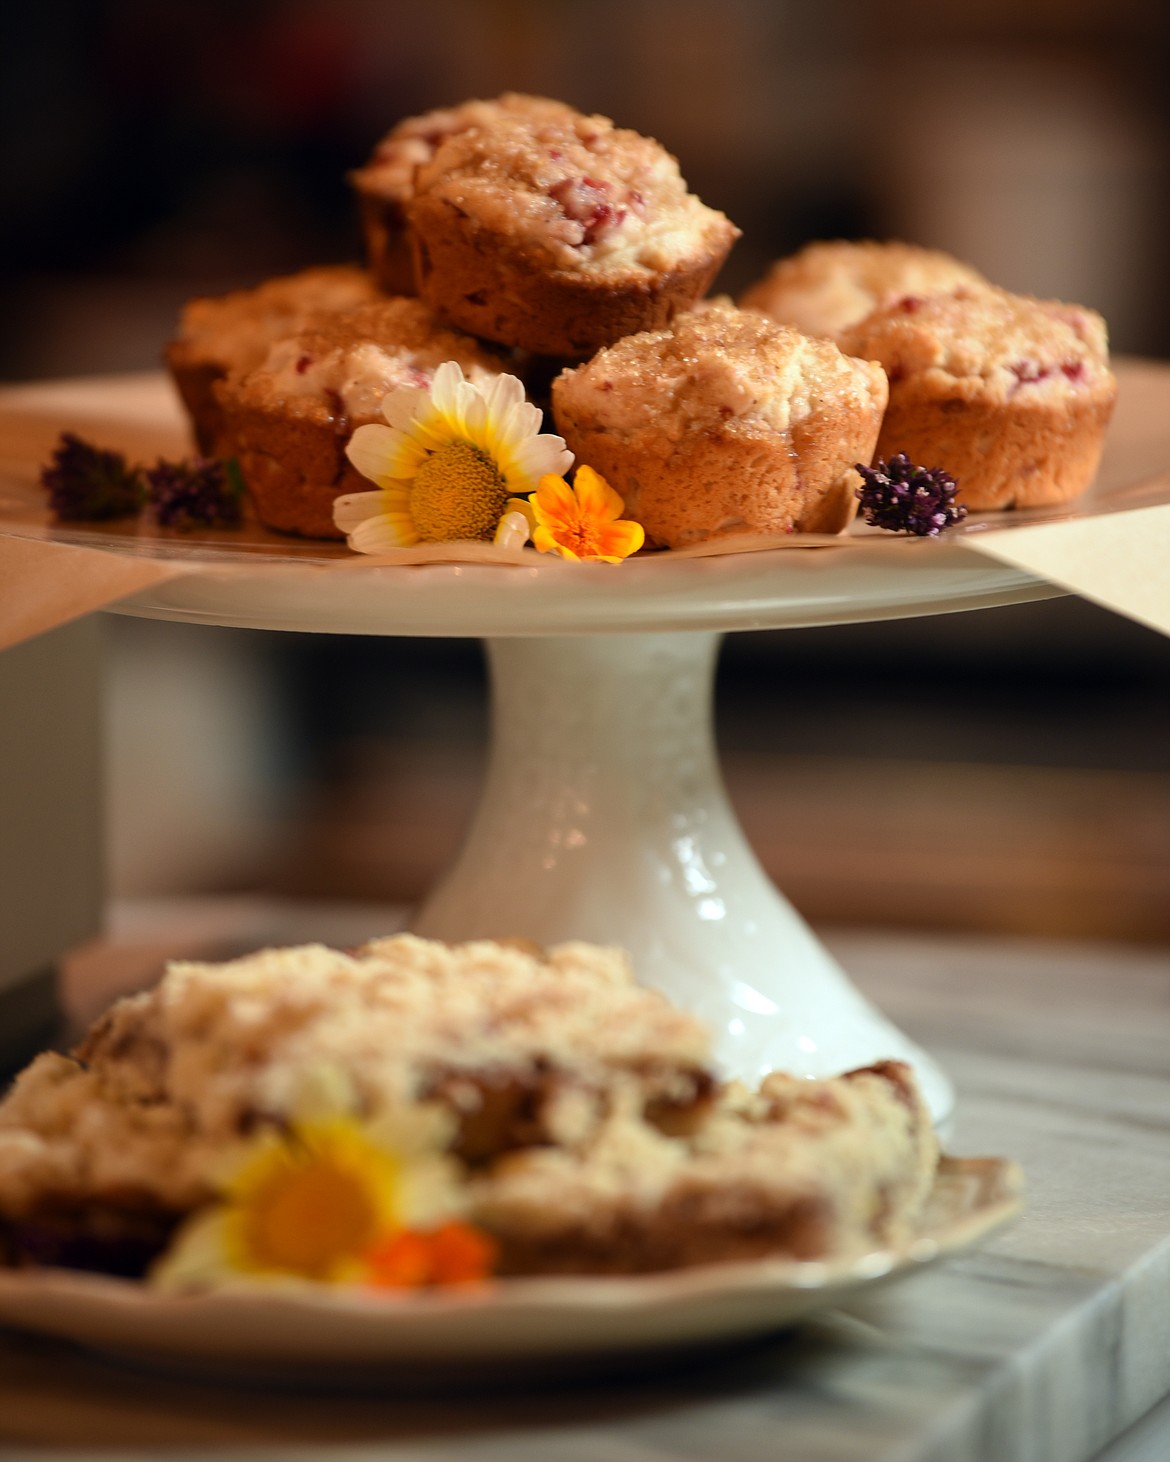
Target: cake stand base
x=604, y=818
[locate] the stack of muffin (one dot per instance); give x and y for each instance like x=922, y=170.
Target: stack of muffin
x=520, y=235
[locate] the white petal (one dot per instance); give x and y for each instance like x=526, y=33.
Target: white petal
x=512, y=531
x=445, y=386
x=376, y=535
x=401, y=406
x=502, y=394
x=370, y=449
x=534, y=458
x=353, y=508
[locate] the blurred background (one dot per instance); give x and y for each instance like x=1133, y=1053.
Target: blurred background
x=1004, y=770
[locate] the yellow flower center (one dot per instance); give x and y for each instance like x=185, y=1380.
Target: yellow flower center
x=307, y=1220
x=457, y=493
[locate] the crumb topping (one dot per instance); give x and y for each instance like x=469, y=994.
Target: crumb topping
x=1003, y=346
x=237, y=328
x=577, y=191
x=389, y=174
x=713, y=368
x=344, y=366
x=830, y=285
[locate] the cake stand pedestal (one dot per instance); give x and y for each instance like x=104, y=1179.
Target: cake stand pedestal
x=604, y=818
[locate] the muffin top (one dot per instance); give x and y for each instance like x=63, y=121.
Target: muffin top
x=575, y=193
x=715, y=368
x=344, y=365
x=236, y=329
x=992, y=343
x=828, y=286
x=389, y=174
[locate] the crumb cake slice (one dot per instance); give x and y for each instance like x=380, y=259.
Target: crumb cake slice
x=723, y=423
x=385, y=185
x=1010, y=395
x=559, y=235
x=831, y=284
x=288, y=420
x=578, y=1112
x=219, y=334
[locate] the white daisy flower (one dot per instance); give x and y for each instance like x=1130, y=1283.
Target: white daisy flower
x=453, y=463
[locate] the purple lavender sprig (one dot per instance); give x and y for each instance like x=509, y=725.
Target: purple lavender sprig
x=90, y=484
x=202, y=493
x=904, y=498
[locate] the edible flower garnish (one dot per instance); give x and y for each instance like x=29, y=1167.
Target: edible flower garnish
x=904, y=498
x=583, y=521
x=204, y=492
x=330, y=1199
x=455, y=460
x=89, y=484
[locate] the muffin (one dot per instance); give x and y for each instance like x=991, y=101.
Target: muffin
x=559, y=235
x=385, y=184
x=232, y=332
x=829, y=286
x=724, y=423
x=574, y=1111
x=287, y=421
x=1010, y=395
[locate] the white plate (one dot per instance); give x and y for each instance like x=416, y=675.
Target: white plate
x=549, y=1323
x=254, y=578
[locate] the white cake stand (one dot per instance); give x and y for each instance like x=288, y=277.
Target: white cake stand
x=604, y=816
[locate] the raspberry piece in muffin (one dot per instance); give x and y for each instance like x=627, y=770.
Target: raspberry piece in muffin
x=828, y=286
x=219, y=334
x=288, y=421
x=724, y=423
x=1010, y=394
x=560, y=235
x=385, y=185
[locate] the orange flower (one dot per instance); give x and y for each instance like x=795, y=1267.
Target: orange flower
x=583, y=521
x=455, y=1253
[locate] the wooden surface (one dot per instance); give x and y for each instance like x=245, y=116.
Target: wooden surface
x=1043, y=1346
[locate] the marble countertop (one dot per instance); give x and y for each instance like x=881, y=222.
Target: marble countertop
x=1042, y=1346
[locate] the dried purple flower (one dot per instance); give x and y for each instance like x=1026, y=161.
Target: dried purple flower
x=904, y=498
x=89, y=484
x=202, y=493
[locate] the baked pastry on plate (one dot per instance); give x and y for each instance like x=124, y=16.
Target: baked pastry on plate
x=724, y=423
x=574, y=1114
x=287, y=421
x=559, y=234
x=1010, y=395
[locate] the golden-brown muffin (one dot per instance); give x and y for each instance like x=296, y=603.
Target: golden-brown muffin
x=1011, y=395
x=724, y=423
x=287, y=421
x=558, y=236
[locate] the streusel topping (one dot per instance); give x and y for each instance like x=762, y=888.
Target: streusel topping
x=239, y=326
x=345, y=365
x=712, y=366
x=579, y=192
x=1003, y=345
x=830, y=285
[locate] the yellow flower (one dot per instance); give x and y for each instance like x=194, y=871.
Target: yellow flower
x=583, y=521
x=312, y=1203
x=449, y=465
